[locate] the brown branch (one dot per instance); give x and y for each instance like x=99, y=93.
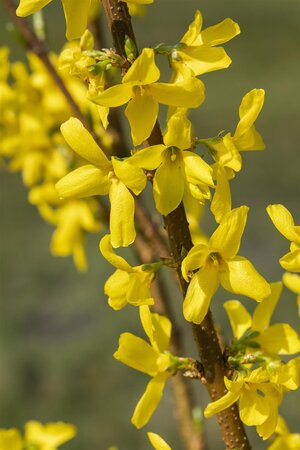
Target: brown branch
x=180, y=240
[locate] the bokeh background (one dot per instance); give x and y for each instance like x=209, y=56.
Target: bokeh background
x=57, y=332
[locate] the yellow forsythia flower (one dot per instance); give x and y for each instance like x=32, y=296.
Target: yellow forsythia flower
x=218, y=263
x=157, y=442
x=285, y=440
x=178, y=172
x=140, y=88
x=284, y=222
x=49, y=436
x=254, y=409
x=10, y=439
x=148, y=358
x=199, y=53
x=278, y=339
x=127, y=284
x=226, y=151
x=292, y=282
x=102, y=177
x=76, y=13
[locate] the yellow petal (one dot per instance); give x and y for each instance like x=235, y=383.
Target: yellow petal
x=292, y=282
x=138, y=292
x=148, y=158
x=266, y=429
x=221, y=202
x=280, y=339
x=197, y=171
x=27, y=7
x=254, y=409
x=263, y=312
x=10, y=439
x=115, y=288
x=220, y=33
x=121, y=215
x=240, y=319
x=144, y=70
x=50, y=435
x=199, y=294
x=291, y=261
x=195, y=259
x=85, y=181
x=115, y=96
x=249, y=110
x=76, y=14
x=150, y=400
x=157, y=442
x=226, y=239
x=133, y=177
x=222, y=403
x=178, y=133
x=283, y=221
x=250, y=140
x=194, y=29
x=158, y=328
x=189, y=93
x=137, y=353
x=141, y=113
x=203, y=59
x=168, y=185
x=240, y=277
x=109, y=254
x=81, y=141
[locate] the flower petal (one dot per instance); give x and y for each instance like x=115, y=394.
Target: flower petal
x=121, y=215
x=178, y=133
x=110, y=255
x=144, y=70
x=197, y=171
x=85, y=181
x=240, y=319
x=283, y=221
x=194, y=29
x=222, y=403
x=221, y=202
x=240, y=277
x=157, y=442
x=148, y=158
x=291, y=261
x=76, y=14
x=263, y=312
x=27, y=7
x=137, y=353
x=280, y=339
x=189, y=93
x=150, y=400
x=142, y=113
x=115, y=288
x=133, y=177
x=199, y=293
x=115, y=96
x=227, y=237
x=254, y=409
x=220, y=33
x=81, y=141
x=50, y=435
x=195, y=259
x=249, y=110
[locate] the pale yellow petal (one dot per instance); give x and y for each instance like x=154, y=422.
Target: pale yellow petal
x=150, y=400
x=110, y=255
x=137, y=353
x=280, y=339
x=85, y=181
x=283, y=221
x=141, y=113
x=291, y=261
x=195, y=259
x=121, y=215
x=157, y=442
x=263, y=312
x=148, y=158
x=178, y=133
x=196, y=169
x=254, y=409
x=144, y=70
x=50, y=435
x=81, y=141
x=133, y=177
x=249, y=110
x=10, y=439
x=115, y=288
x=227, y=237
x=199, y=293
x=240, y=277
x=194, y=29
x=240, y=319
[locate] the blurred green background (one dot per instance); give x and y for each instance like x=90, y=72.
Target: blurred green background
x=57, y=332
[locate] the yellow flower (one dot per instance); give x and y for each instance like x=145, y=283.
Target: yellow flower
x=76, y=13
x=102, y=177
x=10, y=439
x=199, y=53
x=292, y=282
x=151, y=359
x=157, y=442
x=226, y=151
x=285, y=440
x=49, y=436
x=284, y=222
x=140, y=89
x=278, y=339
x=260, y=395
x=127, y=284
x=178, y=171
x=218, y=263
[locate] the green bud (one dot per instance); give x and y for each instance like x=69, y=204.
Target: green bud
x=130, y=49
